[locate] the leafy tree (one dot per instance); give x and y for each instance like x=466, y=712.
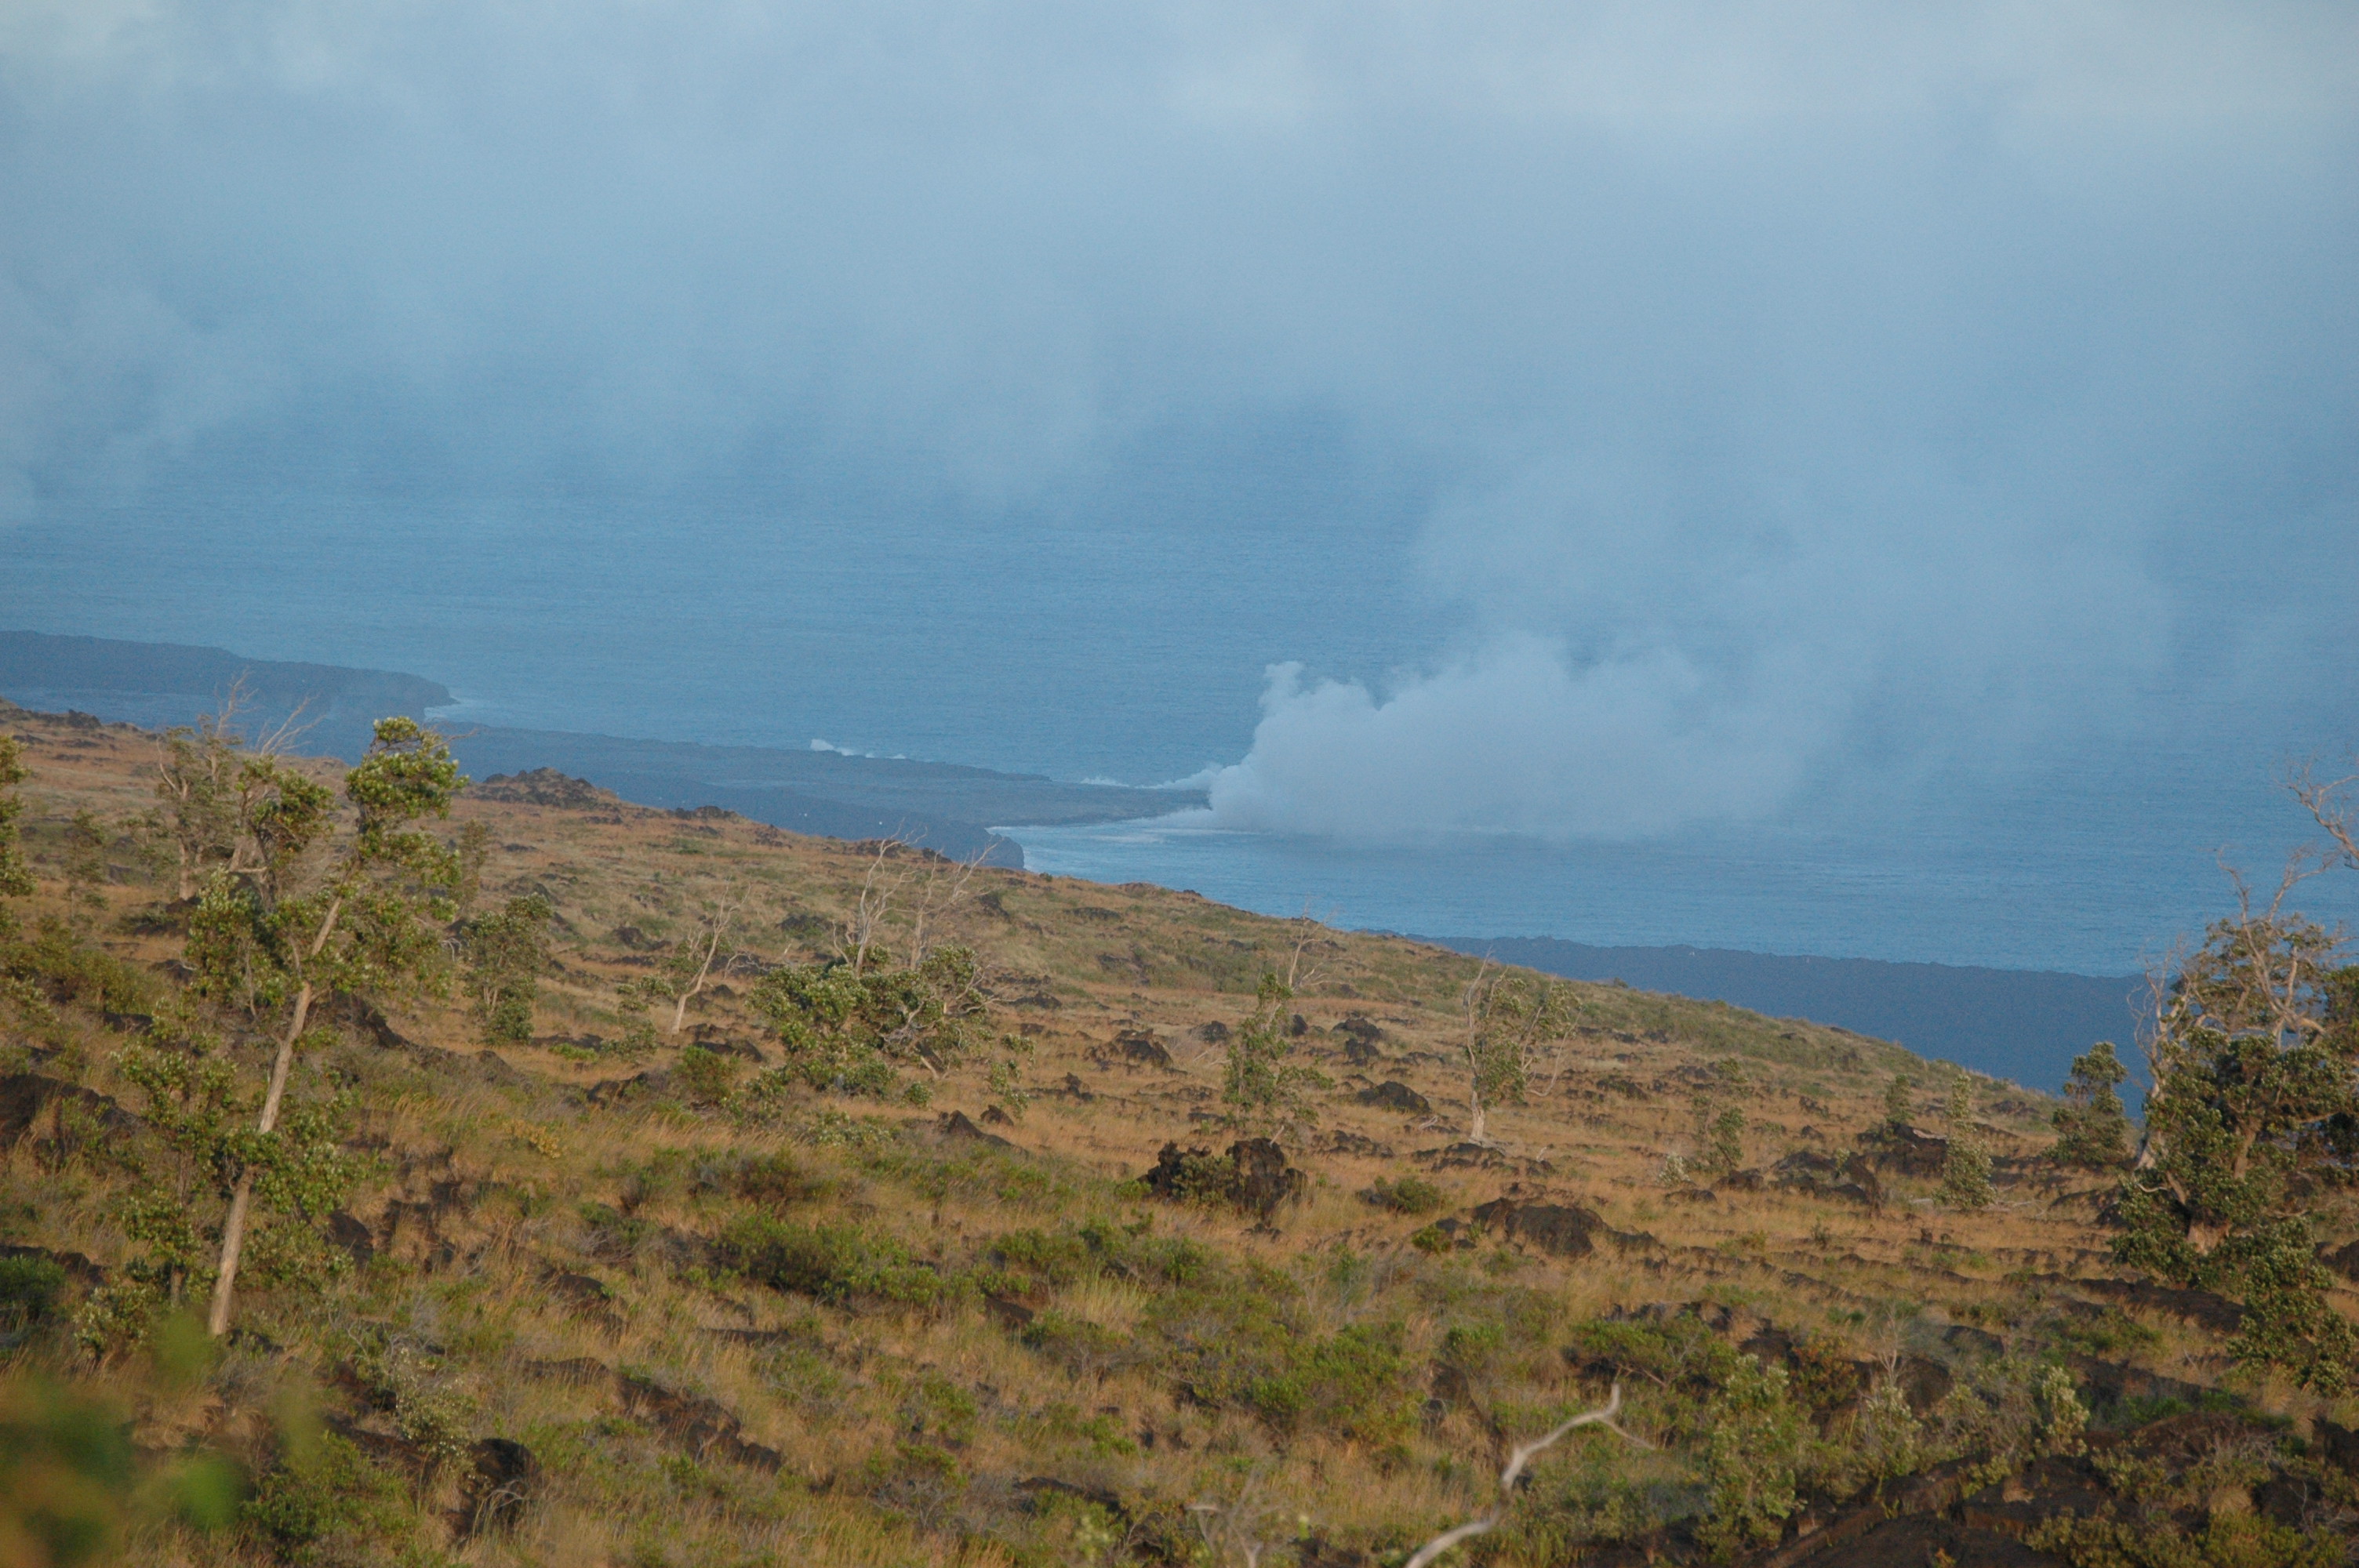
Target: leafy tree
x=849, y=1030
x=1900, y=1101
x=1966, y=1171
x=1755, y=1430
x=1006, y=1078
x=1508, y=1019
x=1722, y=1141
x=1259, y=1084
x=2092, y=1129
x=198, y=1149
x=506, y=954
x=274, y=932
x=2254, y=1103
x=194, y=1112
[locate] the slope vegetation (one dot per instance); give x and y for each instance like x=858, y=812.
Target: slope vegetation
x=1032, y=1270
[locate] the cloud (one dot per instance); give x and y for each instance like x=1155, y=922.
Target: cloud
x=1793, y=399
x=1516, y=740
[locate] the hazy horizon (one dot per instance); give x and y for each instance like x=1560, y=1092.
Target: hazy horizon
x=1593, y=425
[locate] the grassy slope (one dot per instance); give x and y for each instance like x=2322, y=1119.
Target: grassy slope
x=541, y=1255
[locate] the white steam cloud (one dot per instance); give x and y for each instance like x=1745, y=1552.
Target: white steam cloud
x=1515, y=740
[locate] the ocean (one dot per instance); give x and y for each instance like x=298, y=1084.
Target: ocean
x=1129, y=645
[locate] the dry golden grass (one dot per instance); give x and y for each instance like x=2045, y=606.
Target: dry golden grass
x=477, y=1174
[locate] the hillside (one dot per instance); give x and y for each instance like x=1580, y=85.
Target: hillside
x=618, y=1295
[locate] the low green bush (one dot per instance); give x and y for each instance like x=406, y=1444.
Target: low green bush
x=1410, y=1194
x=775, y=1179
x=835, y=1263
x=29, y=1288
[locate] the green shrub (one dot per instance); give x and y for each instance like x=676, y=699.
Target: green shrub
x=506, y=954
x=429, y=1414
x=846, y=1028
x=1410, y=1195
x=835, y=1263
x=1431, y=1240
x=1471, y=1347
x=1354, y=1383
x=1241, y=1341
x=29, y=1288
x=923, y=1482
x=612, y=1233
x=775, y=1179
x=705, y=1076
x=324, y=1493
x=1754, y=1432
x=1222, y=1336
x=118, y=1317
x=2112, y=1332
x=1205, y=1178
x=938, y=1409
x=57, y=962
x=1055, y=1259
x=1083, y=1349
x=1678, y=1355
x=2226, y=1540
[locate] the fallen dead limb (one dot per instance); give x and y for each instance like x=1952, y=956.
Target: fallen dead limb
x=1431, y=1553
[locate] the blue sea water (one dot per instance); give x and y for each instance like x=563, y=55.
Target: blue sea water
x=1126, y=638
x=2021, y=904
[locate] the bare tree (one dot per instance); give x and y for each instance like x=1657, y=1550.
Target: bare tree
x=858, y=933
x=943, y=887
x=195, y=781
x=715, y=944
x=200, y=780
x=913, y=886
x=1431, y=1553
x=1300, y=978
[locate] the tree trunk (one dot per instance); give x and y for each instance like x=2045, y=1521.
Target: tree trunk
x=233, y=1227
x=696, y=985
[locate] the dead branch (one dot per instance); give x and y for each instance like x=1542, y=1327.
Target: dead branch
x=716, y=934
x=940, y=890
x=858, y=932
x=1431, y=1553
x=2329, y=803
x=1305, y=927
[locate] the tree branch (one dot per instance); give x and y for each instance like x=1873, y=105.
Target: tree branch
x=1431, y=1553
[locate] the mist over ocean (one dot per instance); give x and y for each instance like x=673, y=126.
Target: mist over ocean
x=1079, y=663
x=1820, y=481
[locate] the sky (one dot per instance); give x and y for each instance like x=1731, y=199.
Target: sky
x=1728, y=409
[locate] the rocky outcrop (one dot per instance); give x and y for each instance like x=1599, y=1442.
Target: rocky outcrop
x=1393, y=1095
x=1253, y=1176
